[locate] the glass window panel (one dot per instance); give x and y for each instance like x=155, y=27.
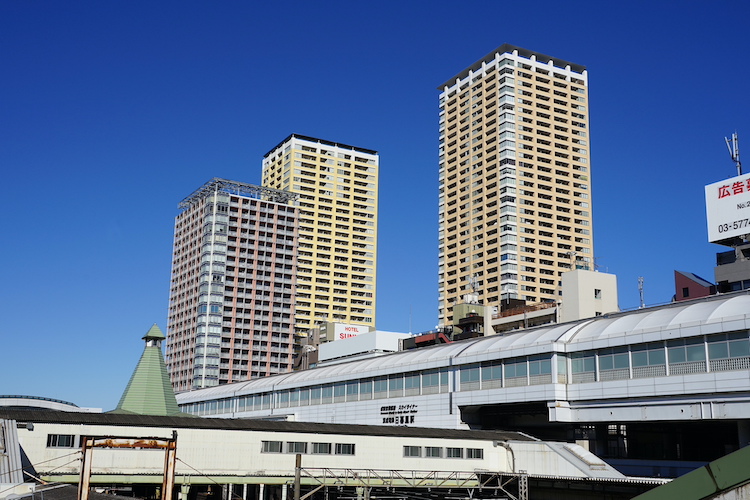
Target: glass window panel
x=696, y=352
x=470, y=374
x=352, y=388
x=718, y=350
x=676, y=354
x=430, y=379
x=656, y=356
x=739, y=348
x=621, y=361
x=640, y=358
x=365, y=387
x=395, y=383
x=344, y=449
x=545, y=366
x=339, y=389
x=327, y=394
x=315, y=395
x=321, y=448
x=412, y=451
x=296, y=447
x=304, y=396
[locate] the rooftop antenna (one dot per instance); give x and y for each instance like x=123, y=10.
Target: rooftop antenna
x=733, y=146
x=640, y=291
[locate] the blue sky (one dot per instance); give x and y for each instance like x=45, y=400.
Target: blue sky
x=112, y=112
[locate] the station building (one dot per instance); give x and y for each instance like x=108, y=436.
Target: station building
x=656, y=391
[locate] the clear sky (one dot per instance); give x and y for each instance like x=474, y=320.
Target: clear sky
x=112, y=112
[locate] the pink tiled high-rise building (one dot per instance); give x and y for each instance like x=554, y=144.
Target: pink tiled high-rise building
x=231, y=304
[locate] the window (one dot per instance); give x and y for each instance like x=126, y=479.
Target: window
x=60, y=441
x=321, y=448
x=597, y=293
x=412, y=451
x=474, y=453
x=686, y=350
x=470, y=378
x=296, y=447
x=648, y=360
x=686, y=292
x=614, y=359
x=648, y=355
x=433, y=452
x=271, y=447
x=344, y=449
x=583, y=366
x=515, y=369
x=454, y=453
x=732, y=345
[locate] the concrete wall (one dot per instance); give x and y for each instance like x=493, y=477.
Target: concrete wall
x=586, y=294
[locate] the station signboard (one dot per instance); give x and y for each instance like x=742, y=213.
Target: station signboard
x=728, y=208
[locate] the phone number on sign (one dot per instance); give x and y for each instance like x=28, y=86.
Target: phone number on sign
x=738, y=224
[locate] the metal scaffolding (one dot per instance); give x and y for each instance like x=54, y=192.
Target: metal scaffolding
x=239, y=189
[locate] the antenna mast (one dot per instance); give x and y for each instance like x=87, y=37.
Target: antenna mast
x=733, y=146
x=640, y=291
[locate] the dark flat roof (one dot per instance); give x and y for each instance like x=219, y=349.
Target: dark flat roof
x=321, y=141
x=508, y=48
x=239, y=424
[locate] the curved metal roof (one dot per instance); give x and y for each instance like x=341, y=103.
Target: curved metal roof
x=620, y=325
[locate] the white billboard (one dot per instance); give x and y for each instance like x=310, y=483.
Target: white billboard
x=728, y=208
x=342, y=331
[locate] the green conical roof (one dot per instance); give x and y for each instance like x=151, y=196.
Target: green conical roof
x=154, y=333
x=149, y=391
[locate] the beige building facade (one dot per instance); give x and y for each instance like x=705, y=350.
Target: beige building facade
x=337, y=187
x=514, y=202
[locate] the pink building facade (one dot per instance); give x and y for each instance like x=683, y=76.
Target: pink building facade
x=231, y=305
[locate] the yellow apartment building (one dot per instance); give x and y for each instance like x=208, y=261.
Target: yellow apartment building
x=337, y=187
x=515, y=180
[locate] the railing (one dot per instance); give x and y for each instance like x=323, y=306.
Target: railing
x=649, y=371
x=688, y=367
x=618, y=374
x=721, y=365
x=524, y=309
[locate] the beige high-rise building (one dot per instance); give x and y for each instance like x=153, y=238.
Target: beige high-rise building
x=514, y=206
x=338, y=227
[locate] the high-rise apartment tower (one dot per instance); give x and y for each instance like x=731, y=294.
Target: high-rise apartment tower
x=514, y=203
x=231, y=301
x=338, y=228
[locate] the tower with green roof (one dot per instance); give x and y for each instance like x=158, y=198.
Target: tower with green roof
x=149, y=391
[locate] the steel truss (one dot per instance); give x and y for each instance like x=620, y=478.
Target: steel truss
x=364, y=484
